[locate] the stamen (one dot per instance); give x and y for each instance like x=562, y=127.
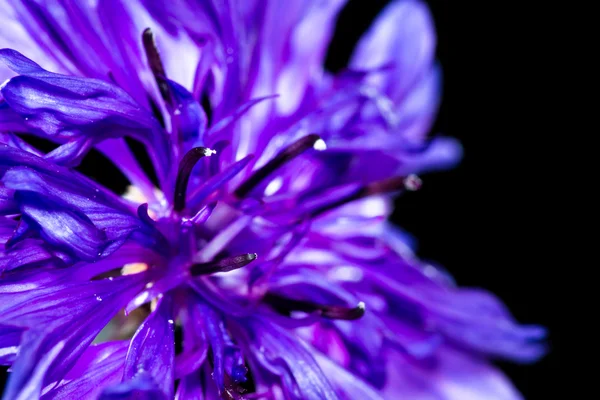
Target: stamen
x=156, y=65
x=411, y=183
x=286, y=305
x=286, y=155
x=186, y=165
x=224, y=265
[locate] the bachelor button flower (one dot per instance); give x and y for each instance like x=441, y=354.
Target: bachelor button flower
x=261, y=264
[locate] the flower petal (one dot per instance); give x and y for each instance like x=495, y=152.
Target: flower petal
x=100, y=365
x=50, y=196
x=63, y=108
x=141, y=387
x=403, y=34
x=151, y=354
x=454, y=376
x=69, y=230
x=287, y=357
x=10, y=337
x=57, y=327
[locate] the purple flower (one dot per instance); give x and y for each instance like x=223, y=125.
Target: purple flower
x=261, y=264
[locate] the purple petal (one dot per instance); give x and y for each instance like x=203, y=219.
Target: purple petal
x=141, y=387
x=189, y=117
x=190, y=388
x=57, y=331
x=472, y=319
x=227, y=357
x=70, y=230
x=152, y=351
x=27, y=252
x=80, y=39
x=8, y=205
x=403, y=35
x=352, y=386
x=287, y=357
x=454, y=376
x=82, y=205
x=10, y=337
x=63, y=107
x=195, y=344
x=15, y=35
x=100, y=365
x=306, y=45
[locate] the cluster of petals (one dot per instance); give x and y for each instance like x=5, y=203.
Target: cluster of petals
x=254, y=260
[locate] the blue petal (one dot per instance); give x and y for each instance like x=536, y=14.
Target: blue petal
x=61, y=322
x=227, y=358
x=151, y=355
x=60, y=226
x=142, y=386
x=7, y=202
x=403, y=35
x=468, y=318
x=189, y=116
x=49, y=195
x=100, y=365
x=65, y=108
x=195, y=344
x=287, y=357
x=10, y=337
x=453, y=376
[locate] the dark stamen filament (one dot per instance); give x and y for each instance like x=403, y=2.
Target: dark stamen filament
x=186, y=165
x=285, y=304
x=285, y=156
x=156, y=65
x=224, y=265
x=411, y=183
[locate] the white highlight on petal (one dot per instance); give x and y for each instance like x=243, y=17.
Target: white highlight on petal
x=8, y=350
x=274, y=186
x=32, y=388
x=346, y=273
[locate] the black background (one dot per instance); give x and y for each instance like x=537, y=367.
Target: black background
x=487, y=221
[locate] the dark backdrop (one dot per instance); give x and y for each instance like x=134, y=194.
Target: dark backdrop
x=487, y=220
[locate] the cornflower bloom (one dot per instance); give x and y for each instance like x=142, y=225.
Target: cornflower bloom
x=258, y=263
